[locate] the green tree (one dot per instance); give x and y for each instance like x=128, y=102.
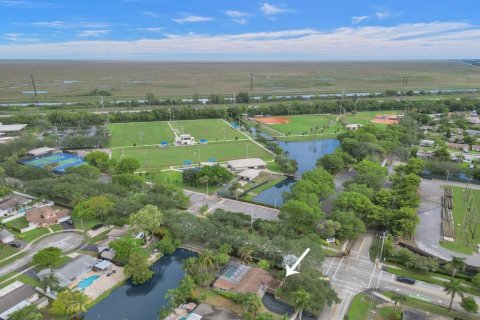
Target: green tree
x=399, y=298
x=148, y=219
x=469, y=304
x=350, y=225
x=441, y=154
x=98, y=159
x=370, y=173
x=476, y=280
x=299, y=216
x=264, y=264
x=48, y=257
x=129, y=181
x=30, y=312
x=185, y=292
x=85, y=170
x=357, y=203
x=245, y=253
x=125, y=246
x=70, y=303
x=414, y=165
x=302, y=300
x=127, y=165
x=49, y=282
x=206, y=259
x=250, y=302
x=242, y=97
x=3, y=176
x=332, y=162
x=455, y=265
x=137, y=268
x=453, y=288
x=94, y=207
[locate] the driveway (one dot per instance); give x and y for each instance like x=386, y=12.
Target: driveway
x=428, y=234
x=67, y=241
x=197, y=200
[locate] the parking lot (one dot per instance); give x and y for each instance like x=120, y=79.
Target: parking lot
x=197, y=200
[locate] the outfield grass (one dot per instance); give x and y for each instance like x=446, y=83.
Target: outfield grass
x=210, y=129
x=307, y=124
x=360, y=306
x=366, y=117
x=126, y=134
x=154, y=157
x=461, y=234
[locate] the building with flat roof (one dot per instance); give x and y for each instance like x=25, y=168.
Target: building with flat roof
x=185, y=139
x=71, y=271
x=12, y=128
x=14, y=297
x=249, y=174
x=244, y=164
x=240, y=278
x=353, y=126
x=41, y=151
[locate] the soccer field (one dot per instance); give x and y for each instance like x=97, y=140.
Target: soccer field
x=306, y=124
x=127, y=134
x=461, y=234
x=210, y=129
x=158, y=158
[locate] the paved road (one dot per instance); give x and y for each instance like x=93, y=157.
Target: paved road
x=428, y=234
x=356, y=273
x=197, y=200
x=67, y=241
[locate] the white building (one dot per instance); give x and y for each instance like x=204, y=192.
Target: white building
x=249, y=174
x=41, y=151
x=353, y=126
x=244, y=164
x=185, y=139
x=12, y=128
x=426, y=143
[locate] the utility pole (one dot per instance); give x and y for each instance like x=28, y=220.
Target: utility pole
x=252, y=77
x=383, y=236
x=34, y=86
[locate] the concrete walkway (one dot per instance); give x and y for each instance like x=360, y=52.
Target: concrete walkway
x=428, y=234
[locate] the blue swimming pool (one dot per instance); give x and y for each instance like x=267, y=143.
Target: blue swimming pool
x=87, y=282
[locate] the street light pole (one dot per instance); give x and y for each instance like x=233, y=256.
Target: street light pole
x=383, y=242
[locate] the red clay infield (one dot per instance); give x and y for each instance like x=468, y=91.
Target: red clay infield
x=273, y=120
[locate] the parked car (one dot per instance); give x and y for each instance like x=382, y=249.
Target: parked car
x=14, y=244
x=405, y=280
x=97, y=226
x=70, y=222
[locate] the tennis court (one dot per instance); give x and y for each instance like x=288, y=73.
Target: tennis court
x=59, y=161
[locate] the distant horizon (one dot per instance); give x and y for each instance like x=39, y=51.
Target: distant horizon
x=459, y=60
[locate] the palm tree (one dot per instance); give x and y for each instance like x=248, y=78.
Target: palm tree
x=206, y=259
x=30, y=312
x=204, y=180
x=453, y=288
x=49, y=282
x=399, y=298
x=251, y=303
x=456, y=264
x=245, y=253
x=78, y=303
x=302, y=299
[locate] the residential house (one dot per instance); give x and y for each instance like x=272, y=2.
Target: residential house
x=11, y=128
x=71, y=271
x=45, y=216
x=11, y=203
x=16, y=296
x=353, y=126
x=426, y=143
x=6, y=236
x=244, y=164
x=457, y=146
x=240, y=278
x=475, y=147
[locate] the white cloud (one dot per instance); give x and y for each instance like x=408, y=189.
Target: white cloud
x=24, y=4
x=12, y=36
x=438, y=40
x=56, y=24
x=92, y=33
x=193, y=19
x=359, y=19
x=383, y=14
x=270, y=9
x=236, y=14
x=150, y=14
x=155, y=29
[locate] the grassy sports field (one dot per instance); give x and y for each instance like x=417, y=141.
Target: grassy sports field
x=126, y=134
x=157, y=158
x=309, y=124
x=459, y=206
x=210, y=129
x=366, y=117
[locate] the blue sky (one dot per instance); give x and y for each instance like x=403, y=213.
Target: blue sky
x=239, y=30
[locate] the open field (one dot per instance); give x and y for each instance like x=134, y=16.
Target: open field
x=126, y=134
x=459, y=206
x=309, y=124
x=155, y=157
x=72, y=80
x=366, y=117
x=210, y=129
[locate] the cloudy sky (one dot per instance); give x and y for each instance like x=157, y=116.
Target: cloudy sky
x=239, y=30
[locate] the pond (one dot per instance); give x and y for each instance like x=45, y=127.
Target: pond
x=142, y=302
x=306, y=153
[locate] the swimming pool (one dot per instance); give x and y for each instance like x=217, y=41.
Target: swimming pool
x=87, y=282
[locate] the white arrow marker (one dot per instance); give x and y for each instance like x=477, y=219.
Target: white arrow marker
x=291, y=270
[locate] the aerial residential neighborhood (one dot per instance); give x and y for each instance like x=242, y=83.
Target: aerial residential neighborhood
x=239, y=160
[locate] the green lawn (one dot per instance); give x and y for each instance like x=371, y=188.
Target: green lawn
x=126, y=134
x=29, y=236
x=210, y=129
x=366, y=117
x=460, y=204
x=87, y=223
x=174, y=178
x=17, y=224
x=360, y=306
x=7, y=251
x=389, y=313
x=155, y=158
x=307, y=124
x=56, y=227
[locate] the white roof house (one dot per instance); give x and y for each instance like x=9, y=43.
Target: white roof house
x=244, y=164
x=249, y=174
x=12, y=127
x=6, y=236
x=74, y=269
x=426, y=143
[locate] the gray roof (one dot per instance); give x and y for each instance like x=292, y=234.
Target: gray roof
x=245, y=163
x=15, y=297
x=413, y=315
x=72, y=270
x=10, y=200
x=4, y=233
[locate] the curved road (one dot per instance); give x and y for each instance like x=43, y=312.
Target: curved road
x=66, y=241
